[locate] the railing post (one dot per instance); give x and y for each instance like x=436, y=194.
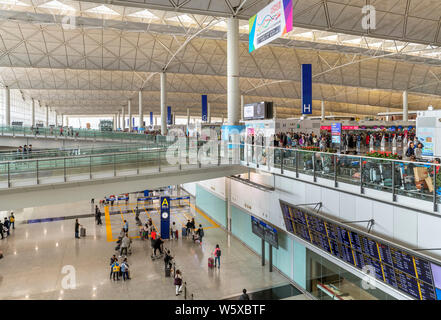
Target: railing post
x=64, y=169
x=361, y=176
x=90, y=167
x=394, y=196
x=335, y=172
x=282, y=153
x=9, y=175
x=38, y=182
x=114, y=165
x=179, y=159
x=435, y=204
x=137, y=162
x=297, y=163
x=197, y=153
x=314, y=167
x=185, y=290
x=159, y=160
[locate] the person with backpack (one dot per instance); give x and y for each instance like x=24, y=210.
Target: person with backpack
x=168, y=260
x=1, y=230
x=173, y=231
x=116, y=270
x=217, y=254
x=178, y=282
x=112, y=261
x=200, y=233
x=6, y=226
x=125, y=270
x=12, y=220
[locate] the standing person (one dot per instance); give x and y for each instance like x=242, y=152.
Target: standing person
x=116, y=269
x=125, y=243
x=200, y=233
x=125, y=270
x=77, y=229
x=98, y=215
x=112, y=261
x=12, y=220
x=188, y=226
x=126, y=226
x=244, y=295
x=168, y=260
x=158, y=244
x=173, y=231
x=217, y=254
x=1, y=229
x=6, y=225
x=178, y=282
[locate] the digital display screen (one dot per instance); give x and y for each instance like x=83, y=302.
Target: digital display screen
x=253, y=111
x=265, y=231
x=414, y=275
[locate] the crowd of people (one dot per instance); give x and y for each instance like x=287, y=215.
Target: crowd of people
x=6, y=225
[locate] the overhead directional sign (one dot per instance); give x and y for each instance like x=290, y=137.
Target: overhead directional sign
x=270, y=23
x=306, y=89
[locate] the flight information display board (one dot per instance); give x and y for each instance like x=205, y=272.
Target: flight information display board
x=265, y=231
x=412, y=274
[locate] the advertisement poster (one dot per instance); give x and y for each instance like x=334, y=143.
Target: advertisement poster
x=336, y=132
x=426, y=137
x=270, y=23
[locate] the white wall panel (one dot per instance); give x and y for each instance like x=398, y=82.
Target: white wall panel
x=405, y=226
x=383, y=215
x=331, y=202
x=347, y=207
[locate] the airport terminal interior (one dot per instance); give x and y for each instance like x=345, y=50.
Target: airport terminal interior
x=220, y=150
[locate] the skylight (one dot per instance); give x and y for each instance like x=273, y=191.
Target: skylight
x=144, y=14
x=333, y=37
x=308, y=34
x=54, y=4
x=14, y=3
x=102, y=9
x=183, y=18
x=354, y=41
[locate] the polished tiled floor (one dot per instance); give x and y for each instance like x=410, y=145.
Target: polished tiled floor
x=35, y=254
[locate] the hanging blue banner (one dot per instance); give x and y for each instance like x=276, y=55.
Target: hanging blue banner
x=306, y=89
x=151, y=118
x=165, y=217
x=204, y=108
x=169, y=115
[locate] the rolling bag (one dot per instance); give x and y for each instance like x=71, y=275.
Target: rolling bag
x=167, y=272
x=210, y=263
x=176, y=234
x=83, y=232
x=184, y=232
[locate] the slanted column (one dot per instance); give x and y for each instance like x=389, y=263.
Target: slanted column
x=209, y=112
x=47, y=115
x=129, y=109
x=323, y=110
x=33, y=113
x=233, y=91
x=7, y=106
x=123, y=119
x=141, y=115
x=163, y=104
x=405, y=107
x=188, y=116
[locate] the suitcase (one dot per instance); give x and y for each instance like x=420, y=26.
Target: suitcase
x=83, y=232
x=184, y=232
x=210, y=263
x=176, y=234
x=167, y=272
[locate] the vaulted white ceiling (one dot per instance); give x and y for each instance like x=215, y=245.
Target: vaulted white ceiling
x=82, y=60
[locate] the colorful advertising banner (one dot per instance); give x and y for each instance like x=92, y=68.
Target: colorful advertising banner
x=270, y=23
x=426, y=136
x=336, y=132
x=204, y=108
x=306, y=89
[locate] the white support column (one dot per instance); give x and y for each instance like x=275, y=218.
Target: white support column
x=129, y=109
x=405, y=107
x=118, y=121
x=323, y=110
x=233, y=91
x=56, y=118
x=209, y=112
x=114, y=122
x=62, y=120
x=67, y=121
x=387, y=117
x=33, y=113
x=141, y=115
x=123, y=118
x=163, y=104
x=47, y=115
x=7, y=106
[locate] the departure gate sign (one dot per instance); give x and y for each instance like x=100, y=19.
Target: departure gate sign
x=270, y=23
